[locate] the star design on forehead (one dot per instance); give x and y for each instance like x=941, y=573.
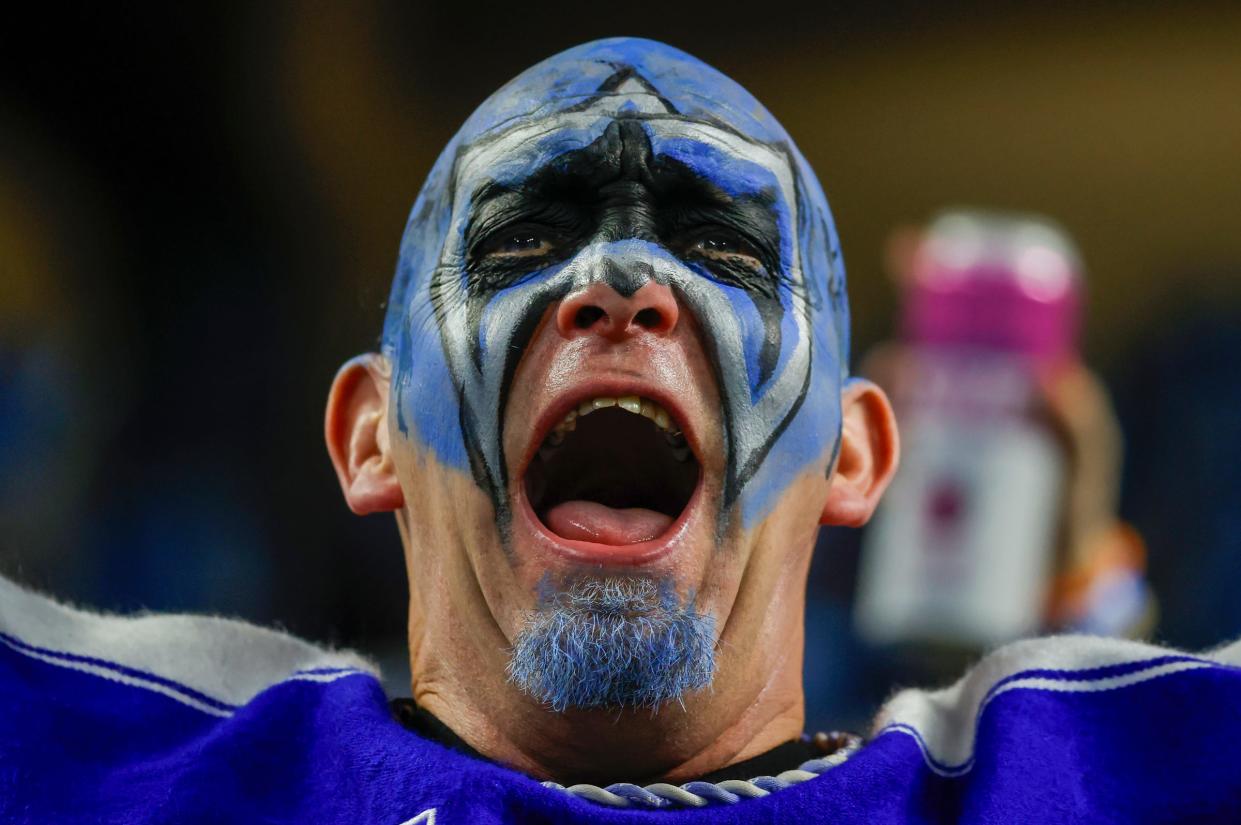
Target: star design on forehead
x=644, y=98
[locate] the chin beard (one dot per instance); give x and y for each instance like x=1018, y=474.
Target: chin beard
x=613, y=642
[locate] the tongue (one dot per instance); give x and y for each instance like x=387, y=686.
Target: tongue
x=592, y=521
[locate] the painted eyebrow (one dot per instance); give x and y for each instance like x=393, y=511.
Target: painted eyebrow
x=494, y=205
x=753, y=216
x=497, y=206
x=485, y=197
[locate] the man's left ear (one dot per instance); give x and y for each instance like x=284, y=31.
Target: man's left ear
x=356, y=430
x=869, y=452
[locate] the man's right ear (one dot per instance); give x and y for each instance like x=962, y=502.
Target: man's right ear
x=356, y=430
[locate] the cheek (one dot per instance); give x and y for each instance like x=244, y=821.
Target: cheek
x=424, y=397
x=452, y=549
x=536, y=372
x=749, y=323
x=760, y=570
x=805, y=447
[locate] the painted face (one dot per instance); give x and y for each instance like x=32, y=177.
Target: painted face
x=623, y=171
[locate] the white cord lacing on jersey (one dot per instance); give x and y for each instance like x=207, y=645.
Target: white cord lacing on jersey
x=699, y=794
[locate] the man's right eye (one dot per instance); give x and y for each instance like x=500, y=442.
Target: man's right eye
x=516, y=244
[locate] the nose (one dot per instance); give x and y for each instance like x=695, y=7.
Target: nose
x=601, y=310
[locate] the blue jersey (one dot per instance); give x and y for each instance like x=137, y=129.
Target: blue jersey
x=181, y=719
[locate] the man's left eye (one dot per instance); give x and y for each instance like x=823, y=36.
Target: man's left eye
x=726, y=248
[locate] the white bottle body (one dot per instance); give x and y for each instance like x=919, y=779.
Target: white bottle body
x=962, y=548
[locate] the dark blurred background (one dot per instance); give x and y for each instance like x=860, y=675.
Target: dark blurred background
x=200, y=212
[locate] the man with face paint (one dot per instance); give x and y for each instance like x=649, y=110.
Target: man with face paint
x=609, y=416
x=611, y=411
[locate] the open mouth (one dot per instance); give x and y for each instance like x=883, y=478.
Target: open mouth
x=613, y=471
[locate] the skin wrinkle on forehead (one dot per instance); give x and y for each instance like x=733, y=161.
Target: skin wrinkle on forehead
x=775, y=372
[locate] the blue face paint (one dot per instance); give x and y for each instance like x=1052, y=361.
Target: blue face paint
x=779, y=344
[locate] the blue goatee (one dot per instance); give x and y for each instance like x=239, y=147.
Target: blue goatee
x=613, y=643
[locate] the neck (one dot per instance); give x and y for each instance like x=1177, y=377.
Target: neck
x=603, y=746
x=755, y=704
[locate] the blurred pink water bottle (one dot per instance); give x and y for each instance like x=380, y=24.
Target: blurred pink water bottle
x=962, y=550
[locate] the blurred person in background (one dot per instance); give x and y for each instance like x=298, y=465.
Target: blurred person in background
x=612, y=409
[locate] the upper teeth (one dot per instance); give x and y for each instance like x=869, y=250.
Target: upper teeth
x=629, y=403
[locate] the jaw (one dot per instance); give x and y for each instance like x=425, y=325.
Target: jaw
x=469, y=598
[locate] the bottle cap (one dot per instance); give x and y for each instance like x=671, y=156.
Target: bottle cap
x=994, y=280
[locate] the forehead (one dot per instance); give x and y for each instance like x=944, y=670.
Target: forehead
x=638, y=75
x=735, y=163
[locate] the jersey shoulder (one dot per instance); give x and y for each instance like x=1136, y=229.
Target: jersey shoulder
x=205, y=662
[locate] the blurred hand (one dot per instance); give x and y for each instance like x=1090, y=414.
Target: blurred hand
x=1101, y=559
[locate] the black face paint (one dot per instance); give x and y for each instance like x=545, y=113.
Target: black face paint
x=615, y=189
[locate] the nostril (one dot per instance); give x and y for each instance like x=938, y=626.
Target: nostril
x=587, y=316
x=598, y=309
x=648, y=318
